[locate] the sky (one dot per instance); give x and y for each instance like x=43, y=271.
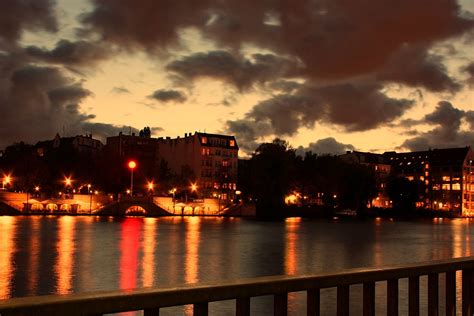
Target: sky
x=325, y=75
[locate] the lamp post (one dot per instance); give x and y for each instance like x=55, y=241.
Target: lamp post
x=131, y=165
x=90, y=198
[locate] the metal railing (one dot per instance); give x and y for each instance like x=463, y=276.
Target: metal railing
x=151, y=299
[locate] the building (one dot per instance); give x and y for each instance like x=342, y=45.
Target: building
x=446, y=177
x=209, y=159
x=212, y=158
x=381, y=168
x=79, y=143
x=144, y=150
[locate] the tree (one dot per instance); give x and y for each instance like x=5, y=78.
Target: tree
x=273, y=164
x=145, y=132
x=403, y=193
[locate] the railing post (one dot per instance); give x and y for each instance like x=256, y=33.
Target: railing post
x=200, y=309
x=414, y=296
x=433, y=292
x=151, y=312
x=392, y=297
x=242, y=307
x=280, y=304
x=313, y=302
x=343, y=300
x=467, y=292
x=369, y=299
x=451, y=293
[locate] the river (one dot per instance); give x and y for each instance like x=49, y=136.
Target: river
x=61, y=255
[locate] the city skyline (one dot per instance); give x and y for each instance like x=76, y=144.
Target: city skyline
x=337, y=78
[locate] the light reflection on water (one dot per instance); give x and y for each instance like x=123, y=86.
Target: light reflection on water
x=90, y=254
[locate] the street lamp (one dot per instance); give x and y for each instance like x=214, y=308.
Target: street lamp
x=6, y=180
x=131, y=165
x=150, y=185
x=90, y=198
x=173, y=191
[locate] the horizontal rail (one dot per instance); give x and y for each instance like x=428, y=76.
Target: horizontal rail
x=152, y=298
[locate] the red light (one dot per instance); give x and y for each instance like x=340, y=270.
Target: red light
x=132, y=164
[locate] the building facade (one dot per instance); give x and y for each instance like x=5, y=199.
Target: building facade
x=209, y=159
x=212, y=158
x=445, y=177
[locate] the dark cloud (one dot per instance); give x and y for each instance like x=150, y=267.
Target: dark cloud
x=447, y=132
x=33, y=15
x=334, y=39
x=236, y=70
x=413, y=66
x=147, y=24
x=168, y=96
x=156, y=130
x=326, y=146
x=120, y=90
x=285, y=86
x=79, y=53
x=352, y=107
x=469, y=69
x=38, y=102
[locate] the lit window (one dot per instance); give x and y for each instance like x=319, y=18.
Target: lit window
x=232, y=143
x=456, y=186
x=204, y=140
x=410, y=178
x=446, y=178
x=436, y=186
x=445, y=186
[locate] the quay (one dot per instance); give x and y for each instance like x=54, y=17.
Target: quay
x=150, y=300
x=105, y=205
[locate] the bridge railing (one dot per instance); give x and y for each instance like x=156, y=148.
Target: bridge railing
x=151, y=300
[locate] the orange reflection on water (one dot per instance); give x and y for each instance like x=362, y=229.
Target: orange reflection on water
x=461, y=241
x=129, y=247
x=8, y=228
x=192, y=249
x=148, y=263
x=35, y=248
x=65, y=247
x=291, y=253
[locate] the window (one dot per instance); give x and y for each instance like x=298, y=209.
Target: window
x=445, y=186
x=204, y=140
x=446, y=178
x=206, y=151
x=456, y=186
x=232, y=143
x=225, y=163
x=436, y=186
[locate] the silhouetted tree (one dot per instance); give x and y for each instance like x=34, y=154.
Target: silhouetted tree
x=272, y=170
x=403, y=193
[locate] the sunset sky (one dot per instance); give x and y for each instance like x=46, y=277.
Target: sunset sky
x=326, y=75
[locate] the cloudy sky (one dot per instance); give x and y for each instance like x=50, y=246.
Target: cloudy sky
x=326, y=75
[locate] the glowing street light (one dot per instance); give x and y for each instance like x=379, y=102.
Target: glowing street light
x=131, y=165
x=150, y=185
x=37, y=188
x=194, y=187
x=6, y=180
x=68, y=181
